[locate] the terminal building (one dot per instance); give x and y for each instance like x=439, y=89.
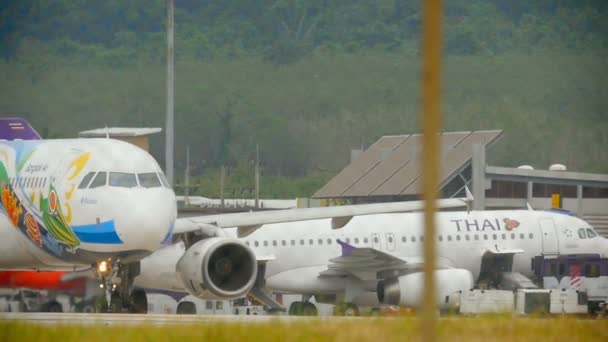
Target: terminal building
x=390, y=170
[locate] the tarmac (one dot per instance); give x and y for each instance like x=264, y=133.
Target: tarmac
x=157, y=319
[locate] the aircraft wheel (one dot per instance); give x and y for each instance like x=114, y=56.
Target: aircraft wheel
x=296, y=308
x=115, y=303
x=139, y=302
x=309, y=309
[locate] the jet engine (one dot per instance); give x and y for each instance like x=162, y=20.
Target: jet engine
x=218, y=268
x=408, y=289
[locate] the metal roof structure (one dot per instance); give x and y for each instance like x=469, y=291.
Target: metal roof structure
x=391, y=166
x=547, y=177
x=114, y=132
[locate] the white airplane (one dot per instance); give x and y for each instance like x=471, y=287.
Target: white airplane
x=360, y=260
x=102, y=205
x=70, y=204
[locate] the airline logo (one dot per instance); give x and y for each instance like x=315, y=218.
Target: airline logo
x=485, y=225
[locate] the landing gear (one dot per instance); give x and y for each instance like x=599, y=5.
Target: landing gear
x=302, y=309
x=120, y=296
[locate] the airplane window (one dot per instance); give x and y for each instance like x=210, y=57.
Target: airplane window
x=390, y=239
x=256, y=243
x=163, y=180
x=283, y=243
x=494, y=237
x=440, y=238
x=302, y=242
x=274, y=242
x=591, y=233
x=366, y=241
x=457, y=237
x=247, y=243
x=329, y=241
x=531, y=236
x=219, y=305
x=504, y=236
x=413, y=239
x=123, y=180
x=449, y=237
x=311, y=242
x=320, y=241
x=403, y=239
x=522, y=236
x=476, y=237
x=375, y=240
x=466, y=237
x=356, y=240
x=581, y=233
x=265, y=243
x=149, y=180
x=347, y=240
x=100, y=180
x=86, y=180
x=592, y=270
x=512, y=236
x=485, y=236
x=293, y=242
x=209, y=305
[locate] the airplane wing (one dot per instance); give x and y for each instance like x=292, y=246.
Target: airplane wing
x=371, y=264
x=248, y=222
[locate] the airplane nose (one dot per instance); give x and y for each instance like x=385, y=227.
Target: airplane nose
x=143, y=221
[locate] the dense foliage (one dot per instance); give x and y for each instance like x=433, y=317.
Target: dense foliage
x=309, y=80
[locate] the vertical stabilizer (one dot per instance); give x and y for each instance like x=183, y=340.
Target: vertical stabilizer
x=17, y=128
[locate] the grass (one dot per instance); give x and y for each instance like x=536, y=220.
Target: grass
x=365, y=329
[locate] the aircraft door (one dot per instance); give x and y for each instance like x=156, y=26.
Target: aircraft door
x=549, y=236
x=390, y=241
x=376, y=241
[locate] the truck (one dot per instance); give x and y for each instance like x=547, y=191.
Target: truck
x=586, y=273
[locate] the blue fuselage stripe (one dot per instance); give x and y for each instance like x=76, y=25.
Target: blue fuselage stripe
x=103, y=233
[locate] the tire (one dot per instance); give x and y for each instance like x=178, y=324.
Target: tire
x=309, y=309
x=139, y=302
x=53, y=307
x=186, y=308
x=115, y=303
x=296, y=308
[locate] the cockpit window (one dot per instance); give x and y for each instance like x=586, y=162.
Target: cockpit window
x=581, y=233
x=148, y=180
x=86, y=180
x=591, y=233
x=100, y=180
x=163, y=180
x=123, y=180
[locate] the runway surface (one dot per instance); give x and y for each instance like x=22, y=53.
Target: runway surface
x=107, y=319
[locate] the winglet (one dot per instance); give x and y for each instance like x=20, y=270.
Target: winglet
x=529, y=206
x=469, y=194
x=346, y=248
x=17, y=128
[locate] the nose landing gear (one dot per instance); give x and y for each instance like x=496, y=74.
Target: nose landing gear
x=120, y=296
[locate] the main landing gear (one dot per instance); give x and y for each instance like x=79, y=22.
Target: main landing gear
x=117, y=282
x=302, y=309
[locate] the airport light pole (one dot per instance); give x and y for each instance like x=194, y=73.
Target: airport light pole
x=431, y=124
x=169, y=141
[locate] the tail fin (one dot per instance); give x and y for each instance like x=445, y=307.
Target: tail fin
x=17, y=128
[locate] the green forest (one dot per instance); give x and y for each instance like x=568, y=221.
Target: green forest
x=307, y=81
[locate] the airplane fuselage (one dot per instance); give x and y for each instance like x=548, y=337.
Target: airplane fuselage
x=74, y=202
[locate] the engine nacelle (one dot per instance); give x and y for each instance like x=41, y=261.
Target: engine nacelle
x=218, y=268
x=408, y=289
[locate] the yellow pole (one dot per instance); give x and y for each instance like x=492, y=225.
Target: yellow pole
x=431, y=123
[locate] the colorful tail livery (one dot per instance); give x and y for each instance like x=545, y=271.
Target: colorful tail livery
x=17, y=128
